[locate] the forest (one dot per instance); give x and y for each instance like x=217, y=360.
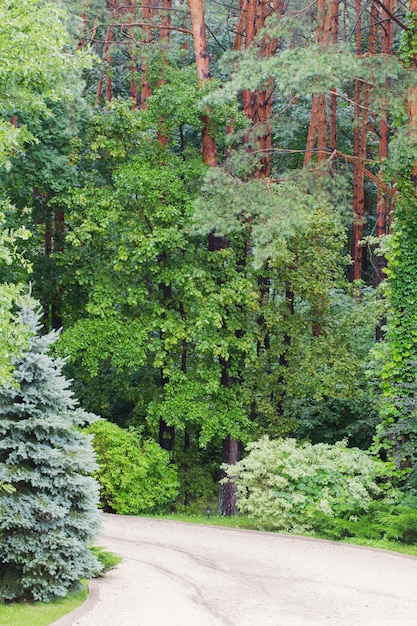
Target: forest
x=216, y=204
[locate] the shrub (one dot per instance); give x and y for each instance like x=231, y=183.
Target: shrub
x=298, y=487
x=384, y=520
x=135, y=476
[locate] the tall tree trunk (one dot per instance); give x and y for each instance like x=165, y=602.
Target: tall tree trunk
x=387, y=37
x=333, y=96
x=268, y=48
x=147, y=14
x=203, y=72
x=327, y=14
x=166, y=432
x=83, y=18
x=131, y=10
x=227, y=499
x=362, y=100
x=228, y=494
x=165, y=36
x=107, y=57
x=247, y=96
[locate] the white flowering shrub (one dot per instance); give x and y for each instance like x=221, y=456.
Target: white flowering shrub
x=286, y=485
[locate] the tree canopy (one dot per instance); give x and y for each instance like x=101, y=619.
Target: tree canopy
x=216, y=204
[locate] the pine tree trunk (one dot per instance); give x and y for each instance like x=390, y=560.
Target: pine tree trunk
x=326, y=17
x=83, y=18
x=362, y=100
x=131, y=10
x=165, y=36
x=203, y=73
x=108, y=58
x=333, y=96
x=383, y=200
x=147, y=14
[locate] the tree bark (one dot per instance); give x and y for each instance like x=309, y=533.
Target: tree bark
x=165, y=36
x=387, y=37
x=203, y=72
x=147, y=14
x=333, y=96
x=326, y=30
x=362, y=100
x=228, y=493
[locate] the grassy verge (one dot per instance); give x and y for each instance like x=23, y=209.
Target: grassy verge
x=45, y=613
x=242, y=521
x=41, y=613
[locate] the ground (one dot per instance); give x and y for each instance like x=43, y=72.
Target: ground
x=188, y=575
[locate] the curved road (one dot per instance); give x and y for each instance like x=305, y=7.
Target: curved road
x=177, y=574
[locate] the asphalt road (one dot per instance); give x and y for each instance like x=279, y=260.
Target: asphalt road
x=176, y=574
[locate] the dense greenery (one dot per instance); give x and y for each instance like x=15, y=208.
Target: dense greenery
x=331, y=489
x=135, y=476
x=207, y=298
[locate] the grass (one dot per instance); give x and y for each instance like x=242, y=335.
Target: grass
x=242, y=521
x=236, y=521
x=41, y=613
x=45, y=613
x=109, y=560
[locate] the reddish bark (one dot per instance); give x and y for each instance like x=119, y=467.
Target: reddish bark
x=412, y=97
x=203, y=72
x=362, y=99
x=241, y=25
x=130, y=8
x=106, y=57
x=333, y=97
x=165, y=35
x=312, y=131
x=326, y=31
x=258, y=105
x=147, y=14
x=83, y=17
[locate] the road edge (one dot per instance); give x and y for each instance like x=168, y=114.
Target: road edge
x=88, y=605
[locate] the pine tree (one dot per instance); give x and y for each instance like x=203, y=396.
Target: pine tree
x=50, y=519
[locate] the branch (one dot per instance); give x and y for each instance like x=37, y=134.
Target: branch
x=159, y=26
x=375, y=179
x=391, y=15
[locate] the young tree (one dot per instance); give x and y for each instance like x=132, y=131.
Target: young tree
x=51, y=517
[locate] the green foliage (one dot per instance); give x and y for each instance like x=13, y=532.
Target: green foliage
x=135, y=476
x=397, y=433
x=408, y=46
x=32, y=41
x=285, y=485
x=384, y=520
x=13, y=335
x=51, y=516
x=108, y=560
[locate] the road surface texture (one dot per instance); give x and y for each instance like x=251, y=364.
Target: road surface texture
x=177, y=574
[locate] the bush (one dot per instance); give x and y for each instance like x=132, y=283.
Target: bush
x=299, y=487
x=135, y=476
x=384, y=520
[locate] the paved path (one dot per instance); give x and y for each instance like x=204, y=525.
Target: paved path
x=176, y=574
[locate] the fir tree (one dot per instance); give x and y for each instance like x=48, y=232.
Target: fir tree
x=51, y=517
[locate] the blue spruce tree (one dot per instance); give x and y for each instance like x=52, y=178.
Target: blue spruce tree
x=50, y=519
